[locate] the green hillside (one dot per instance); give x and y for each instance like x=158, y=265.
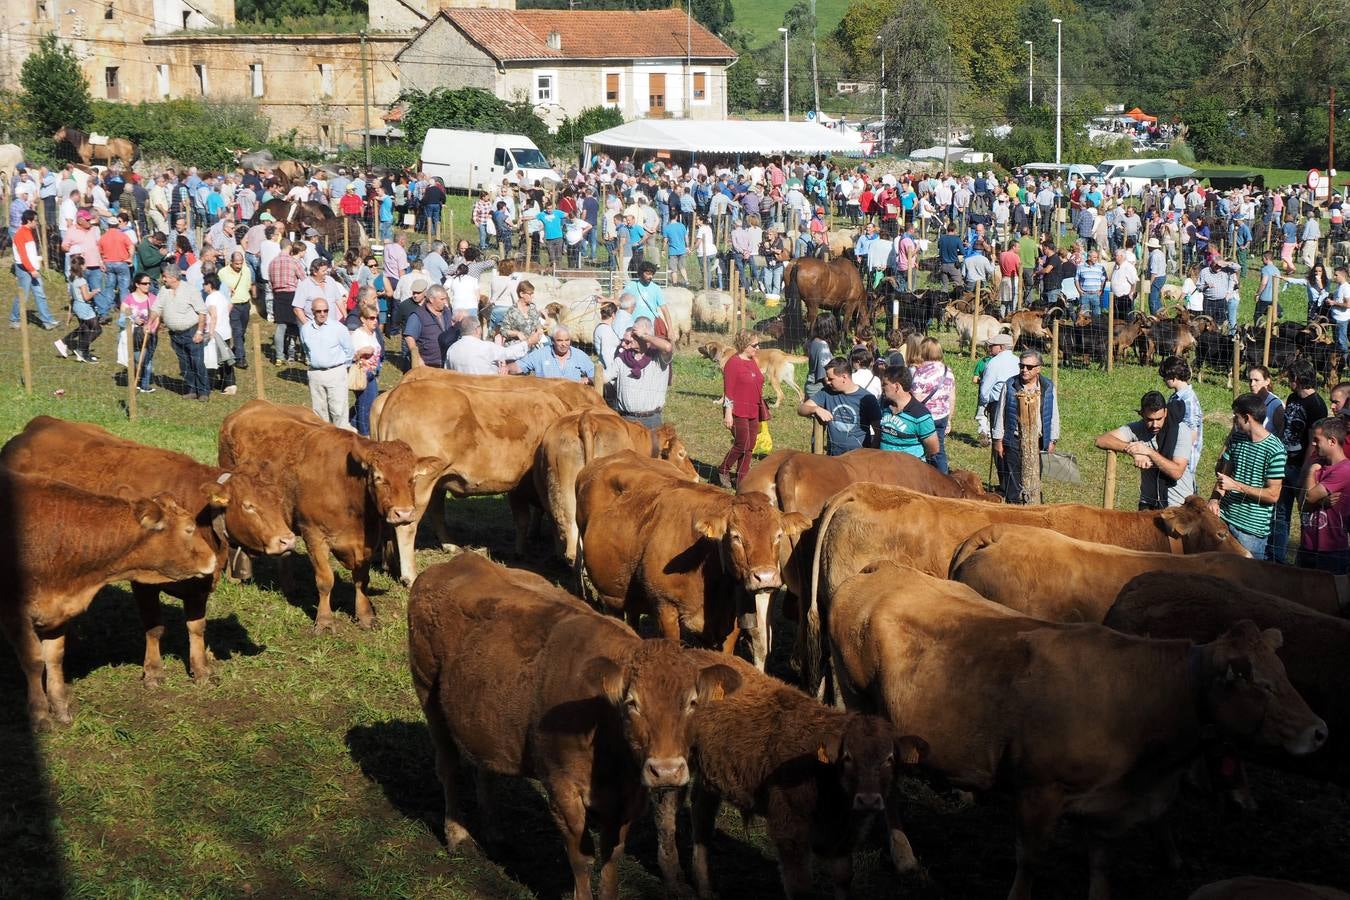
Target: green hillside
x=760, y=18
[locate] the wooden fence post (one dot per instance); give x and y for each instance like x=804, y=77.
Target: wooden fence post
x=132, y=381
x=258, y=360
x=975, y=324
x=735, y=290
x=451, y=210
x=1271, y=314
x=1237, y=364
x=23, y=341
x=346, y=236
x=1110, y=333
x=1054, y=353
x=1109, y=487
x=42, y=231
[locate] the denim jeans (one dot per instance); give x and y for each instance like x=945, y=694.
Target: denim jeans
x=364, y=401
x=1232, y=313
x=239, y=315
x=1257, y=545
x=433, y=214
x=31, y=285
x=1341, y=335
x=939, y=459
x=482, y=239
x=1277, y=545
x=1091, y=304
x=1155, y=294
x=116, y=285
x=145, y=362
x=773, y=280
x=191, y=361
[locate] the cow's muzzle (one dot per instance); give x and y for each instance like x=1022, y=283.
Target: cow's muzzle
x=870, y=802
x=281, y=544
x=1309, y=739
x=400, y=515
x=763, y=579
x=672, y=772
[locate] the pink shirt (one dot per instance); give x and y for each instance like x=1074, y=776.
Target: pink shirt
x=84, y=242
x=1324, y=527
x=395, y=261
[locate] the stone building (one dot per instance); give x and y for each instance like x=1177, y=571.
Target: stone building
x=655, y=63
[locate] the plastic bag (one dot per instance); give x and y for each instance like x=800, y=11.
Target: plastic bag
x=764, y=442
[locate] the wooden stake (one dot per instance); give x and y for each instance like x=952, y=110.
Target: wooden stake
x=451, y=210
x=1109, y=487
x=346, y=236
x=1110, y=333
x=735, y=287
x=131, y=346
x=23, y=340
x=1054, y=353
x=1237, y=363
x=42, y=231
x=975, y=324
x=256, y=331
x=1270, y=319
x=130, y=334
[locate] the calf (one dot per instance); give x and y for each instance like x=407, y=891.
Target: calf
x=653, y=543
x=1201, y=607
x=815, y=774
x=1072, y=720
x=339, y=489
x=240, y=506
x=67, y=543
x=995, y=562
x=517, y=677
x=580, y=437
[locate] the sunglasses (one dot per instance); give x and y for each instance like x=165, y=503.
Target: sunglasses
x=1020, y=366
x=320, y=312
x=370, y=318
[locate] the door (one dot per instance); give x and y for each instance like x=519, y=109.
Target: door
x=656, y=94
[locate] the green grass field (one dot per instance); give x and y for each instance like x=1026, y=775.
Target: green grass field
x=762, y=18
x=304, y=768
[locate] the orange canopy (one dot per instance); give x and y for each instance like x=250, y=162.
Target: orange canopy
x=1140, y=116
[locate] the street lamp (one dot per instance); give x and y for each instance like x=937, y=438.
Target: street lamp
x=883, y=94
x=1031, y=69
x=785, y=74
x=1059, y=89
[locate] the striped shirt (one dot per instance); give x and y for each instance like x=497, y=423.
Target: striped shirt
x=1254, y=463
x=905, y=430
x=1091, y=278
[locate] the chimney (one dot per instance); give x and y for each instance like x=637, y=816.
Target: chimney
x=555, y=40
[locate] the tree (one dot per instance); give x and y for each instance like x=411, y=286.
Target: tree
x=919, y=72
x=55, y=91
x=472, y=109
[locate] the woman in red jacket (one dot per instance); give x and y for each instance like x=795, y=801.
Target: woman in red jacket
x=743, y=406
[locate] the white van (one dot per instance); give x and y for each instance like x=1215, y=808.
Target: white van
x=1114, y=170
x=479, y=160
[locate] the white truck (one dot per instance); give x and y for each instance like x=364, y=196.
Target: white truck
x=480, y=160
x=1114, y=170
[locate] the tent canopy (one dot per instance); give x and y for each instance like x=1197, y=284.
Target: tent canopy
x=1140, y=116
x=1159, y=170
x=697, y=136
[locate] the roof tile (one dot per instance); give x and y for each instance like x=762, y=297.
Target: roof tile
x=587, y=34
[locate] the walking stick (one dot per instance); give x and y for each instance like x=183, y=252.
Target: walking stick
x=140, y=360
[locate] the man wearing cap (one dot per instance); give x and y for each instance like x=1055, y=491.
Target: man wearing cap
x=1157, y=275
x=1002, y=365
x=83, y=240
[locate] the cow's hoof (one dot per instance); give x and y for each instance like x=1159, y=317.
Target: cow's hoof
x=325, y=626
x=61, y=714
x=455, y=835
x=406, y=581
x=153, y=678
x=368, y=623
x=204, y=675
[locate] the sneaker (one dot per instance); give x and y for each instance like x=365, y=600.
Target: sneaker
x=724, y=479
x=146, y=390
x=89, y=357
x=48, y=326
x=61, y=349
x=232, y=389
x=79, y=354
x=14, y=325
x=190, y=396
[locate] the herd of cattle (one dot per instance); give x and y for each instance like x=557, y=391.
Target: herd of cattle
x=1081, y=660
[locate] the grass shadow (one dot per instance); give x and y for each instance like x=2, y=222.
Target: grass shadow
x=397, y=755
x=109, y=632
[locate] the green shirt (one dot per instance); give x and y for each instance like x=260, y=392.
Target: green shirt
x=1253, y=463
x=1028, y=250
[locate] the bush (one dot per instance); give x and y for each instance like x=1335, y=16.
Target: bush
x=393, y=156
x=572, y=132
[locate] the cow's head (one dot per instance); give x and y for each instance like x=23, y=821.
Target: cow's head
x=180, y=549
x=754, y=538
x=253, y=512
x=666, y=444
x=392, y=470
x=656, y=690
x=865, y=757
x=1199, y=529
x=973, y=487
x=1249, y=695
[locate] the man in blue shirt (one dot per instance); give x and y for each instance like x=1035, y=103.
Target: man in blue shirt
x=556, y=361
x=552, y=219
x=949, y=256
x=851, y=415
x=1266, y=292
x=328, y=344
x=676, y=235
x=1091, y=282
x=648, y=293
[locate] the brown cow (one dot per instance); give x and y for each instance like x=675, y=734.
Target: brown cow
x=67, y=543
x=340, y=489
x=484, y=430
x=869, y=522
x=1253, y=888
x=242, y=506
x=653, y=543
x=1073, y=720
x=814, y=773
x=517, y=677
x=1201, y=607
x=1009, y=564
x=802, y=483
x=576, y=439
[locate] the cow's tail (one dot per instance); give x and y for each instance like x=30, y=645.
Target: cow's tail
x=968, y=548
x=811, y=629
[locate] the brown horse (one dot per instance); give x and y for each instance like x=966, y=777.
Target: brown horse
x=336, y=231
x=834, y=285
x=115, y=150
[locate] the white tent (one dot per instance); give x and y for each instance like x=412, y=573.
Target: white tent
x=701, y=136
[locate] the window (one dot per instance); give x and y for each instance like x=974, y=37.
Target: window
x=162, y=77
x=199, y=69
x=110, y=83
x=187, y=14
x=656, y=93
x=611, y=87
x=326, y=79
x=325, y=135
x=500, y=160
x=543, y=89
x=255, y=72
x=700, y=86
x=108, y=11
x=43, y=9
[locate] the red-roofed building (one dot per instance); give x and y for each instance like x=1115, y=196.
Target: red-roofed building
x=654, y=63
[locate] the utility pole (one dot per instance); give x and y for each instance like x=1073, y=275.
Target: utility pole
x=1031, y=70
x=815, y=75
x=1059, y=88
x=1331, y=139
x=688, y=56
x=883, y=94
x=947, y=138
x=365, y=97
x=785, y=74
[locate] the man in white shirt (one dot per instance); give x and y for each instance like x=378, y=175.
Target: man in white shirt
x=1124, y=280
x=318, y=284
x=471, y=355
x=1001, y=367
